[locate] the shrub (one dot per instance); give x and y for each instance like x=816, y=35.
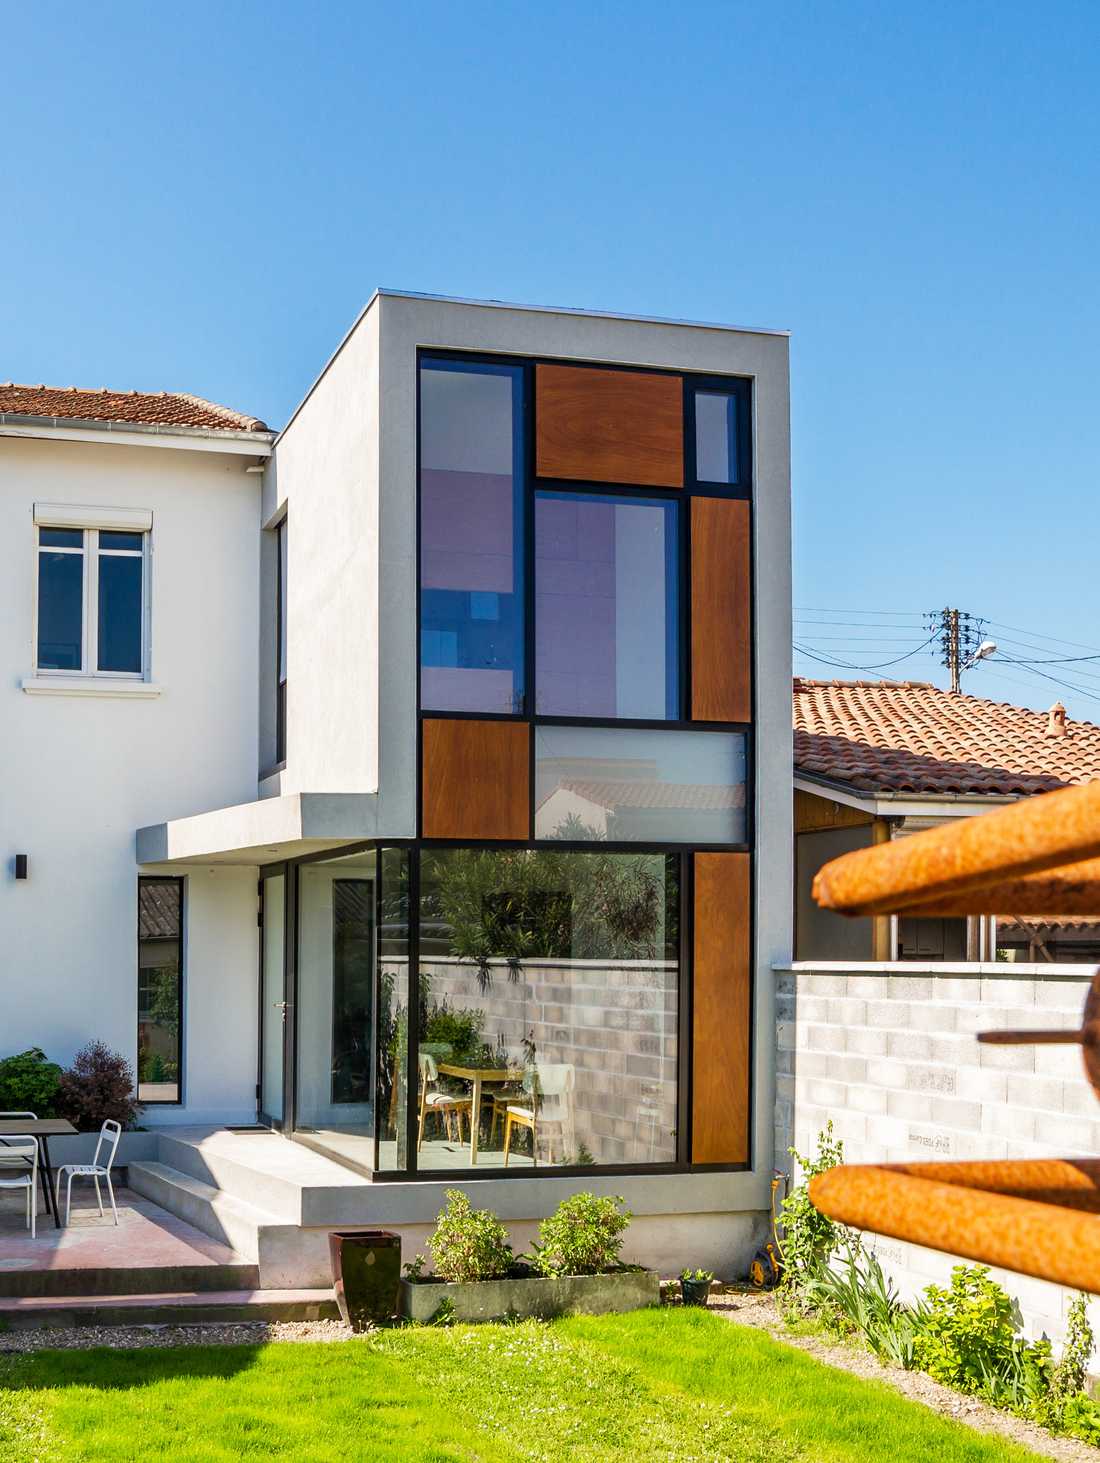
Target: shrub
x=28, y=1083
x=967, y=1337
x=582, y=1237
x=98, y=1085
x=468, y=1243
x=809, y=1237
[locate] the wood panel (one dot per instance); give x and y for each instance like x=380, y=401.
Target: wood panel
x=722, y=1009
x=609, y=426
x=721, y=610
x=812, y=813
x=475, y=779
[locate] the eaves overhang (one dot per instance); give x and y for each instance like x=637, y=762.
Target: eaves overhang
x=883, y=804
x=136, y=434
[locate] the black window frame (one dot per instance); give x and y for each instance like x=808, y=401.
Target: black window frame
x=179, y=1100
x=282, y=546
x=740, y=387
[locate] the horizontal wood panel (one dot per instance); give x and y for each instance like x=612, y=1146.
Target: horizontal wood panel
x=722, y=1009
x=475, y=779
x=721, y=610
x=609, y=426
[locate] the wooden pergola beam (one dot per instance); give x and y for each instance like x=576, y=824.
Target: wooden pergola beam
x=953, y=868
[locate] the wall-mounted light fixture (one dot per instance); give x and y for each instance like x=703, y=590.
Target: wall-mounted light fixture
x=20, y=865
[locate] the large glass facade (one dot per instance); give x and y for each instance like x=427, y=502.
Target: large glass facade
x=629, y=785
x=471, y=555
x=606, y=606
x=548, y=1008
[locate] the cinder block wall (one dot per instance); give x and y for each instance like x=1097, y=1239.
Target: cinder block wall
x=888, y=1052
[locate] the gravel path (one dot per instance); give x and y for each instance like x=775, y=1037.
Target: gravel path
x=241, y=1333
x=752, y=1309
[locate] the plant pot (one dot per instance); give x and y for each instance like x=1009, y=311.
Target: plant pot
x=542, y=1296
x=694, y=1292
x=366, y=1274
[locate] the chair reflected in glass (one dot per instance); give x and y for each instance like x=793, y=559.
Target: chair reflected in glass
x=447, y=1105
x=547, y=1103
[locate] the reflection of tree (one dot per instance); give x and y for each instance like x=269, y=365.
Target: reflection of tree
x=521, y=904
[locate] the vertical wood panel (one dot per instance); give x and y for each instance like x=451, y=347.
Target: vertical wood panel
x=722, y=1009
x=609, y=426
x=475, y=779
x=721, y=610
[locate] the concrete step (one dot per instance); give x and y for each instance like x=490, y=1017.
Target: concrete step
x=135, y=1280
x=169, y=1308
x=222, y=1216
x=243, y=1165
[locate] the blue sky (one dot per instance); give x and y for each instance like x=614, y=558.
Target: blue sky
x=203, y=199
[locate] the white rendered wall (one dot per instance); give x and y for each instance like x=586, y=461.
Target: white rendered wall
x=78, y=775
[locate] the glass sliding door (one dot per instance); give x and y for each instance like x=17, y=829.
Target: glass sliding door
x=273, y=1004
x=394, y=930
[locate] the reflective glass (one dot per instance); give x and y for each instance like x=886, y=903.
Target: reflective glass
x=716, y=437
x=471, y=559
x=606, y=606
x=61, y=538
x=110, y=539
x=120, y=613
x=160, y=937
x=624, y=785
x=393, y=1009
x=547, y=1022
x=60, y=611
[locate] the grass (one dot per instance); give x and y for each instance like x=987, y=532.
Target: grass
x=658, y=1384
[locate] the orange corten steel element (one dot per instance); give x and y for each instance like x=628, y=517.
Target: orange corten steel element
x=945, y=867
x=1039, y=1217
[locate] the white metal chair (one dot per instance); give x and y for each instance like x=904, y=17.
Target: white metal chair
x=20, y=1151
x=109, y=1134
x=432, y=1099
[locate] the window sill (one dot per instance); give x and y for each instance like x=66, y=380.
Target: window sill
x=89, y=686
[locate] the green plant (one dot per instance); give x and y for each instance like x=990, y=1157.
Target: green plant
x=469, y=1243
x=28, y=1083
x=849, y=1291
x=966, y=1337
x=98, y=1085
x=699, y=1276
x=582, y=1237
x=414, y=1268
x=809, y=1237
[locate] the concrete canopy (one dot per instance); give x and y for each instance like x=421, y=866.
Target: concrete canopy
x=263, y=832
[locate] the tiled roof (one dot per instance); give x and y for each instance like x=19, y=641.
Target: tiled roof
x=641, y=794
x=911, y=737
x=158, y=909
x=144, y=408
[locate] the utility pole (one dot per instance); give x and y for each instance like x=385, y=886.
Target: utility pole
x=960, y=637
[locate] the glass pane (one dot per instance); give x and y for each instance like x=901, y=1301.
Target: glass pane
x=335, y=1091
x=273, y=1017
x=471, y=559
x=61, y=538
x=633, y=786
x=119, y=614
x=715, y=437
x=606, y=599
x=109, y=539
x=60, y=611
x=548, y=1008
x=160, y=913
x=282, y=533
x=393, y=1009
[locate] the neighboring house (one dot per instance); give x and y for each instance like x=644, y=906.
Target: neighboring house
x=434, y=753
x=876, y=760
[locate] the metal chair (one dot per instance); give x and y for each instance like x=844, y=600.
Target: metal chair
x=20, y=1150
x=110, y=1134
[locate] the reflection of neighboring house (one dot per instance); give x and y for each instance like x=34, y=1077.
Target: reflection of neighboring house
x=879, y=760
x=639, y=809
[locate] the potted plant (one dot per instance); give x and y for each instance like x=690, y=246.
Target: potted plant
x=695, y=1286
x=574, y=1266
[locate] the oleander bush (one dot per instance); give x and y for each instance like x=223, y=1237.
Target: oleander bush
x=582, y=1237
x=468, y=1243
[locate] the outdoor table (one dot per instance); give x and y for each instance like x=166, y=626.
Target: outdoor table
x=477, y=1076
x=43, y=1129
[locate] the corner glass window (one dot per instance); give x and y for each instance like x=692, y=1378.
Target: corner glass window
x=606, y=606
x=280, y=639
x=91, y=601
x=547, y=1022
x=471, y=553
x=160, y=989
x=618, y=785
x=716, y=437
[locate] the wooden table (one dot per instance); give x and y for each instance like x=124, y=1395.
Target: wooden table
x=476, y=1076
x=43, y=1129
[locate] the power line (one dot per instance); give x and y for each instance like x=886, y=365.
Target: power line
x=851, y=666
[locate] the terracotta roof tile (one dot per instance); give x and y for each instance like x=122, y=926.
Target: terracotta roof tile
x=911, y=737
x=643, y=794
x=156, y=408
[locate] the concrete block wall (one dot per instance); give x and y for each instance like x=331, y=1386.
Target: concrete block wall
x=888, y=1053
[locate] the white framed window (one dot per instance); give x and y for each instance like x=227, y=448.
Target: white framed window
x=92, y=600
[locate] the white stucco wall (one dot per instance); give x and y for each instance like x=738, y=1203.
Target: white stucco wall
x=78, y=775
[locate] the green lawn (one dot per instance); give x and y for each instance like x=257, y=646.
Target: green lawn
x=659, y=1384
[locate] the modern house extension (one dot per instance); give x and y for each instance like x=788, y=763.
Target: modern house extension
x=415, y=783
